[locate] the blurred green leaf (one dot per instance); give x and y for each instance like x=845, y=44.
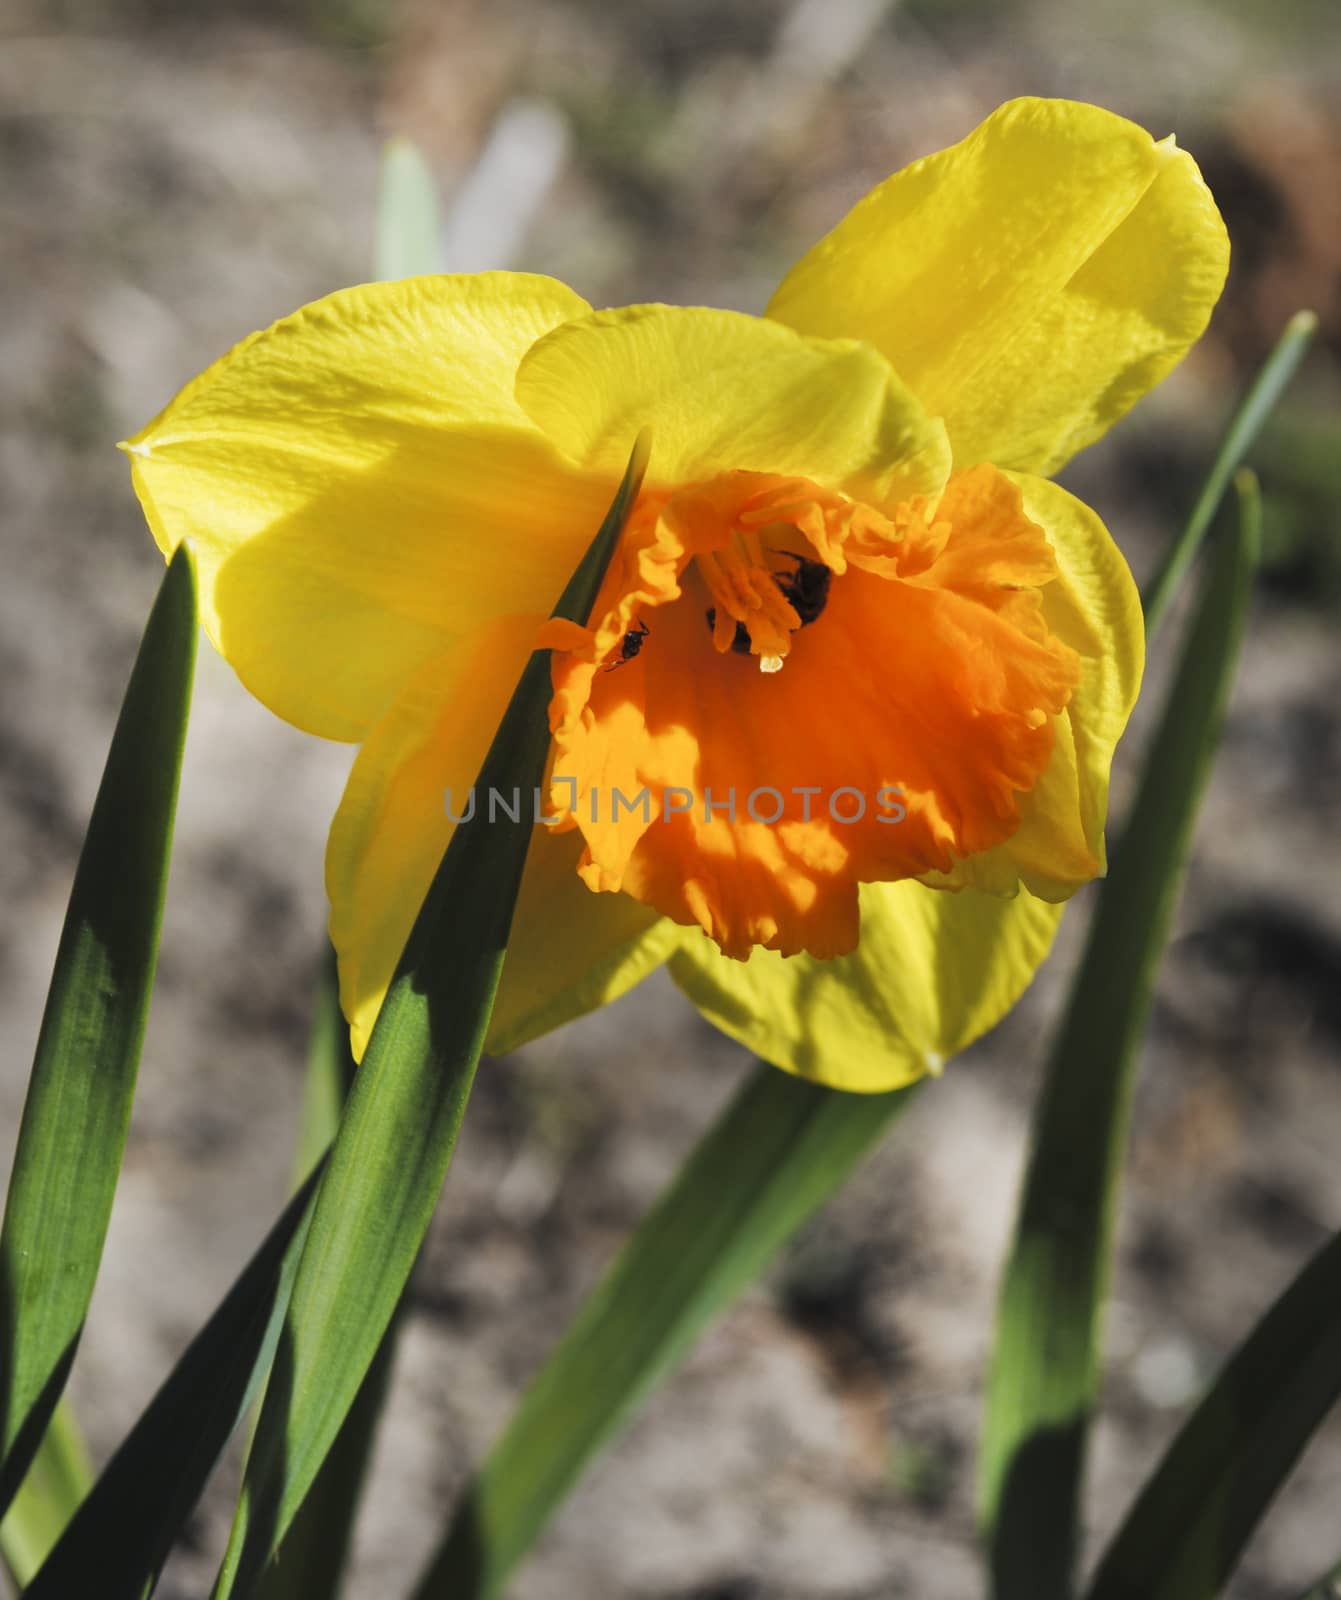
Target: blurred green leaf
x=408, y=225
x=1328, y=1587
x=57, y=1481
x=1045, y=1368
x=1301, y=554
x=1244, y=426
x=779, y=1151
x=88, y=1051
x=1182, y=1538
x=399, y=1128
x=120, y=1536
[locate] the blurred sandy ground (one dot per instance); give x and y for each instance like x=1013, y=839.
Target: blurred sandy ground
x=168, y=185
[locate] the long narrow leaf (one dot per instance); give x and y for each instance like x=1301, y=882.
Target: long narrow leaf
x=136, y=1511
x=1244, y=426
x=399, y=1129
x=1045, y=1367
x=779, y=1151
x=120, y=1536
x=1182, y=1538
x=57, y=1481
x=88, y=1052
x=310, y=1562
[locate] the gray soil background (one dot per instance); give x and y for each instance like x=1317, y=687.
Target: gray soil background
x=173, y=177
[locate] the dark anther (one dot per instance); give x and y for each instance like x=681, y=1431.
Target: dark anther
x=741, y=642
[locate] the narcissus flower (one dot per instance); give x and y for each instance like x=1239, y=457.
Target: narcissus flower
x=848, y=699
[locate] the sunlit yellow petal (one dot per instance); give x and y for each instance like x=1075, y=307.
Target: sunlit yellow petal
x=571, y=949
x=934, y=970
x=1030, y=283
x=360, y=487
x=725, y=392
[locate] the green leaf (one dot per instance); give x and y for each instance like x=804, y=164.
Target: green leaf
x=120, y=1536
x=1244, y=426
x=88, y=1051
x=1045, y=1368
x=310, y=1564
x=57, y=1481
x=399, y=1128
x=1182, y=1538
x=136, y=1511
x=408, y=225
x=776, y=1155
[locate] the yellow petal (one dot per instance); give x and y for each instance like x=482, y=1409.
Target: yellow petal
x=360, y=488
x=722, y=392
x=934, y=970
x=1030, y=283
x=571, y=950
x=1093, y=606
x=392, y=825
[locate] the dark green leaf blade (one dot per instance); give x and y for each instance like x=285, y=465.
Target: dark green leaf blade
x=779, y=1151
x=1244, y=426
x=1182, y=1538
x=396, y=1137
x=121, y=1534
x=311, y=1561
x=1045, y=1367
x=88, y=1052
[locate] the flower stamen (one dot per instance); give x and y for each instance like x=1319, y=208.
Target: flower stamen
x=748, y=597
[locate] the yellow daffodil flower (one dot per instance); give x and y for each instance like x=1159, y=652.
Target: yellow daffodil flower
x=858, y=668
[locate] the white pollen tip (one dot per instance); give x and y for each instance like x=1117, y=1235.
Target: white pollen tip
x=770, y=663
